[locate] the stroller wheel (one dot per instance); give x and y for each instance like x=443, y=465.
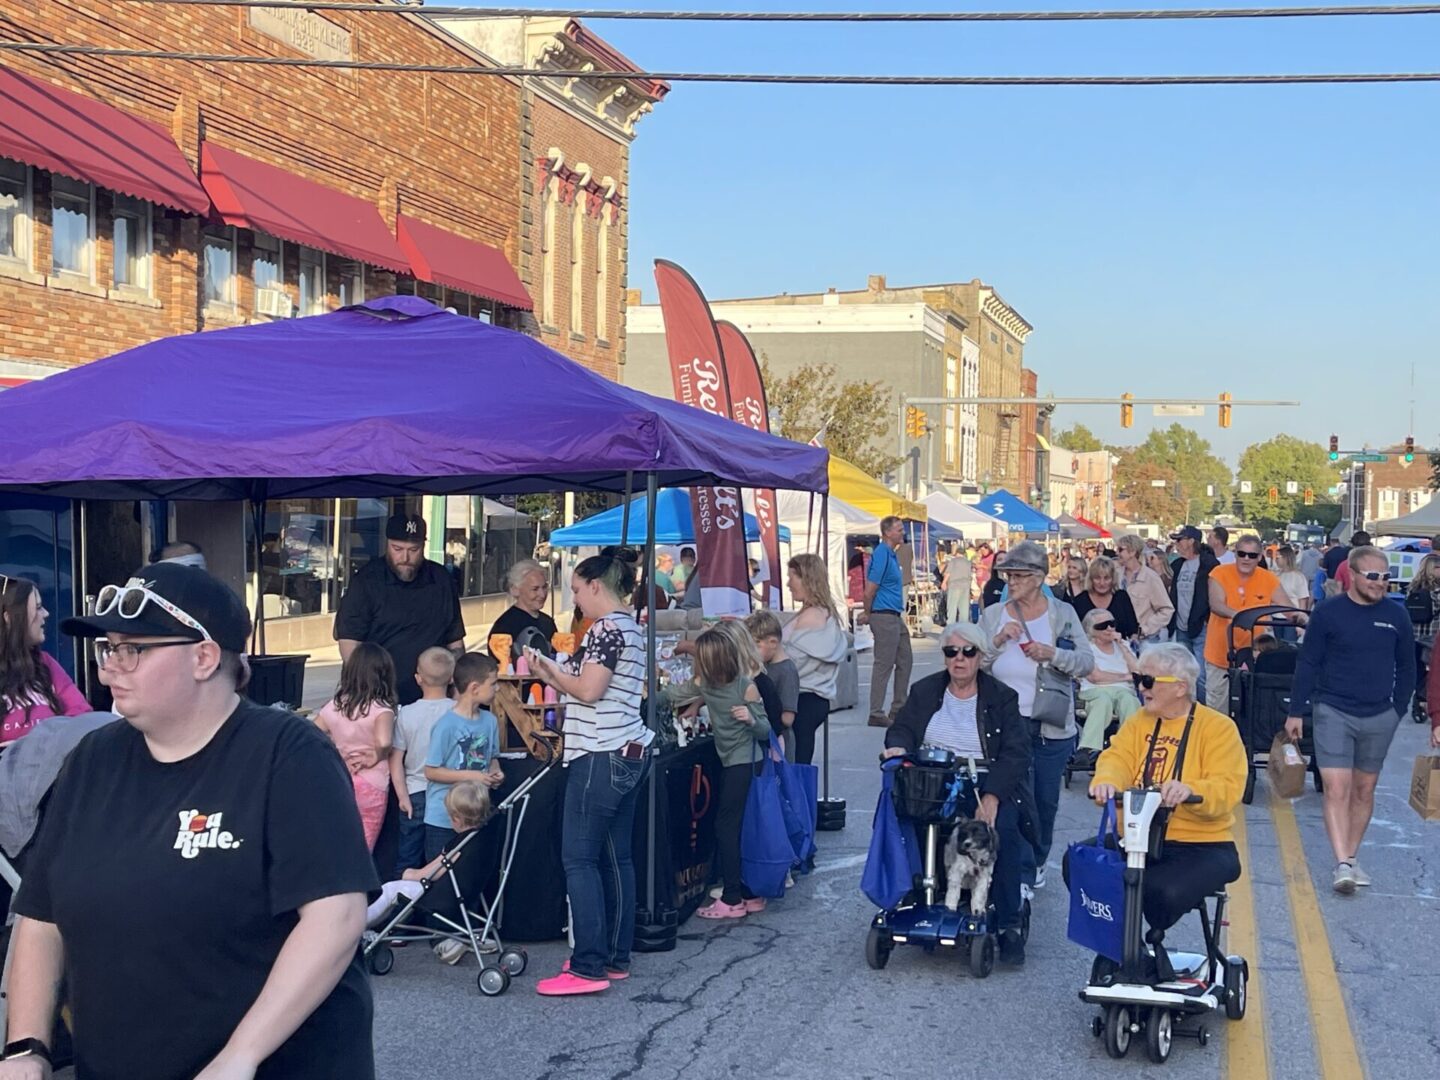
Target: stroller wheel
x=1249, y=795
x=1097, y=1026
x=493, y=981
x=514, y=961
x=982, y=956
x=1117, y=1031
x=1203, y=1036
x=380, y=960
x=1067, y=777
x=878, y=944
x=1159, y=1035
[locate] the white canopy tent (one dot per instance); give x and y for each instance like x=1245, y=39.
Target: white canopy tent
x=975, y=524
x=800, y=512
x=1422, y=523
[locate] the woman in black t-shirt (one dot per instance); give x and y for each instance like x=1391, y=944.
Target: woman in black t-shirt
x=199, y=878
x=1101, y=592
x=529, y=586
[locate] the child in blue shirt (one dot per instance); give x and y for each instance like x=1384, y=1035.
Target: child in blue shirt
x=463, y=746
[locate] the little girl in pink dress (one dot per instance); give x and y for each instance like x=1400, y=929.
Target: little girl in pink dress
x=360, y=720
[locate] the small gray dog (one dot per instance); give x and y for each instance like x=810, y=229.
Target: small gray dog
x=970, y=863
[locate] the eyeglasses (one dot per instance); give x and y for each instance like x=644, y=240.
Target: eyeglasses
x=130, y=599
x=952, y=651
x=1373, y=575
x=1012, y=575
x=1105, y=625
x=126, y=656
x=1148, y=682
x=1247, y=554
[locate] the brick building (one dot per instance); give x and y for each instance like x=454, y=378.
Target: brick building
x=575, y=136
x=1392, y=488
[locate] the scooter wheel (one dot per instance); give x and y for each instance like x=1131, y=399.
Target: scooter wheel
x=514, y=961
x=380, y=960
x=1237, y=990
x=1097, y=1026
x=493, y=981
x=982, y=956
x=1117, y=1031
x=1159, y=1035
x=1202, y=1036
x=877, y=948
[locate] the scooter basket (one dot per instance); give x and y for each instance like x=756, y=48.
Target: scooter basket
x=920, y=794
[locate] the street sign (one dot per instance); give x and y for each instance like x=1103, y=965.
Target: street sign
x=1157, y=483
x=1246, y=487
x=1179, y=410
x=1368, y=457
x=1291, y=487
x=1209, y=491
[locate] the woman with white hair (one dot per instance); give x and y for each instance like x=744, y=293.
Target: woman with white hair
x=1108, y=691
x=975, y=715
x=1149, y=598
x=1183, y=748
x=529, y=585
x=1102, y=590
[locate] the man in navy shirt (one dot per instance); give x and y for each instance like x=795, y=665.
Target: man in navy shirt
x=1355, y=675
x=885, y=612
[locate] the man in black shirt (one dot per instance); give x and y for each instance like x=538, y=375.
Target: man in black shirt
x=404, y=603
x=182, y=851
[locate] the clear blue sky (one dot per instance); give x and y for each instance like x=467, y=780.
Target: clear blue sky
x=1275, y=242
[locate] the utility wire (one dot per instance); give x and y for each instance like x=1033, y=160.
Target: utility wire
x=1159, y=14
x=50, y=48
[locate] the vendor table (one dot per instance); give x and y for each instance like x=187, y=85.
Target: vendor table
x=535, y=896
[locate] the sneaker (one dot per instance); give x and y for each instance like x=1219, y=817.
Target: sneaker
x=1026, y=893
x=450, y=952
x=487, y=946
x=718, y=909
x=754, y=904
x=1361, y=878
x=613, y=974
x=569, y=985
x=1012, y=949
x=789, y=880
x=1345, y=879
x=1039, y=877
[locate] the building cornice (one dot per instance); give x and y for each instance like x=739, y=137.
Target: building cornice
x=1005, y=316
x=914, y=318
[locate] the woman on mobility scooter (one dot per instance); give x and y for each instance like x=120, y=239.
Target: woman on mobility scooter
x=1199, y=857
x=964, y=710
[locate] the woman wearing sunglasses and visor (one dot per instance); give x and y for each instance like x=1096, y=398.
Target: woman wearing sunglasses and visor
x=1171, y=727
x=971, y=713
x=1234, y=588
x=200, y=873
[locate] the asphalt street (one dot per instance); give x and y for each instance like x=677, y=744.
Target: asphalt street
x=1343, y=986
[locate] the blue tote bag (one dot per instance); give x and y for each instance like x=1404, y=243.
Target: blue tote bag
x=1097, y=893
x=799, y=790
x=766, y=854
x=894, y=857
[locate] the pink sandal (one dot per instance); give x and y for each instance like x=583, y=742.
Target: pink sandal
x=568, y=985
x=754, y=904
x=718, y=909
x=613, y=974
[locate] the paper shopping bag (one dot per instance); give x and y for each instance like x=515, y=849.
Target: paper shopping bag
x=1286, y=768
x=1425, y=787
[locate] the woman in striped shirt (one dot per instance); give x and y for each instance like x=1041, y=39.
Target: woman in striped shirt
x=606, y=755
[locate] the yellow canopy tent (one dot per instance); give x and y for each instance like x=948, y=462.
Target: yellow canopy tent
x=850, y=485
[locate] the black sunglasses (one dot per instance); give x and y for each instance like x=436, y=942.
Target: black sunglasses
x=1105, y=625
x=1147, y=682
x=1247, y=554
x=952, y=651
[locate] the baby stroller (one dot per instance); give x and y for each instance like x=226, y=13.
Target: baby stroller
x=445, y=899
x=1260, y=690
x=28, y=768
x=1420, y=606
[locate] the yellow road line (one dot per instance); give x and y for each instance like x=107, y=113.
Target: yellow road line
x=1335, y=1050
x=1246, y=1045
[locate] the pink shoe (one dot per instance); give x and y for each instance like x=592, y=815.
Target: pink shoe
x=567, y=985
x=718, y=909
x=755, y=904
x=613, y=974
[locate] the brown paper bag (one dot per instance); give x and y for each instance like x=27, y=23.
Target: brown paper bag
x=1287, y=771
x=1425, y=786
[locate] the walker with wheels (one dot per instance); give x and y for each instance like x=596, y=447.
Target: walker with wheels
x=932, y=788
x=1136, y=1000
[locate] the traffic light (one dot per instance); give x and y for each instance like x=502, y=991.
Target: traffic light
x=1309, y=496
x=1274, y=496
x=915, y=422
x=1334, y=447
x=1225, y=409
x=1409, y=449
x=1127, y=411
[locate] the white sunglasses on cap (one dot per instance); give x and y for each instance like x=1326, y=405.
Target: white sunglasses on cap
x=130, y=599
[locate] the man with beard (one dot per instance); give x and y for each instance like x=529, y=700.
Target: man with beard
x=404, y=603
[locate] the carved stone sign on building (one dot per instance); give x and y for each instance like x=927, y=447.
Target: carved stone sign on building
x=304, y=31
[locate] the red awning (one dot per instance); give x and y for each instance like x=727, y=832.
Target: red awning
x=1105, y=534
x=443, y=258
x=266, y=198
x=84, y=139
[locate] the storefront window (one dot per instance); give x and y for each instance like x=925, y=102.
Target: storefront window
x=71, y=225
x=132, y=242
x=312, y=281
x=14, y=212
x=220, y=267
x=349, y=278
x=267, y=267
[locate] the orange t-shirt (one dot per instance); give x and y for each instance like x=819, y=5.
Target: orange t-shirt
x=1257, y=591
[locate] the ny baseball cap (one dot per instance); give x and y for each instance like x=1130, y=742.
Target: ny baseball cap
x=158, y=602
x=1188, y=532
x=409, y=527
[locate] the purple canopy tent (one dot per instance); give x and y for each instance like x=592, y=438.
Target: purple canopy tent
x=394, y=396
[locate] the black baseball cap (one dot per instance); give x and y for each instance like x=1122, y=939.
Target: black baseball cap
x=1188, y=532
x=204, y=598
x=407, y=527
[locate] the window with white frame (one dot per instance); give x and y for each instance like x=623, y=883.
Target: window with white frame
x=15, y=213
x=549, y=197
x=602, y=275
x=72, y=227
x=577, y=265
x=952, y=412
x=220, y=269
x=133, y=241
x=349, y=278
x=267, y=266
x=312, y=281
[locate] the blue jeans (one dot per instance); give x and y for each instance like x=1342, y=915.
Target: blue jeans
x=602, y=792
x=1047, y=769
x=412, y=836
x=1196, y=645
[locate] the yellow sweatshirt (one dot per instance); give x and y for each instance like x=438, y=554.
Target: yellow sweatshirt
x=1215, y=769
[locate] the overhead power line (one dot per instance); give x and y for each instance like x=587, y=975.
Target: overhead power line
x=1121, y=15
x=54, y=48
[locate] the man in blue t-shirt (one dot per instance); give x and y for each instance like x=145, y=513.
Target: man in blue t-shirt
x=1355, y=675
x=885, y=612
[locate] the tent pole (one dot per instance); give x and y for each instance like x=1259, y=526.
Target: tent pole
x=257, y=631
x=652, y=680
x=625, y=517
x=825, y=549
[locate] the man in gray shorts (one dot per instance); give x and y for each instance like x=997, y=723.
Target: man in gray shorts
x=1355, y=675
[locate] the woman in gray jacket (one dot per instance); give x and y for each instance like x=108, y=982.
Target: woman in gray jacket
x=1036, y=642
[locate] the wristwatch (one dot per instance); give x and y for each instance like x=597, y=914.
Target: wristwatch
x=28, y=1048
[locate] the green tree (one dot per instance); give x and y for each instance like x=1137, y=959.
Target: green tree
x=1078, y=438
x=1273, y=464
x=1196, y=468
x=1148, y=491
x=858, y=417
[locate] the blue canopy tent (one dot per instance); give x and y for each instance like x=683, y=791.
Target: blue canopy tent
x=673, y=524
x=1019, y=517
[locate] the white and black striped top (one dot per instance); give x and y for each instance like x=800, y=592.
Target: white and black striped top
x=955, y=727
x=608, y=724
